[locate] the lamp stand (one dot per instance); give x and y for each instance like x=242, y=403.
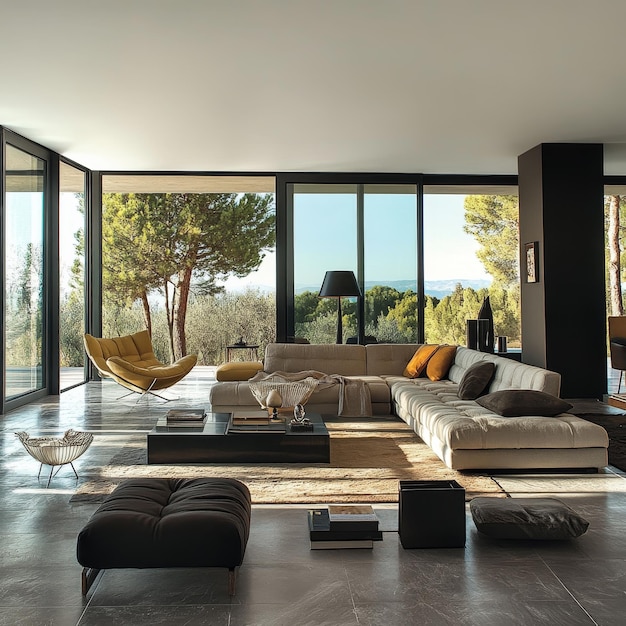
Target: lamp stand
x=339, y=322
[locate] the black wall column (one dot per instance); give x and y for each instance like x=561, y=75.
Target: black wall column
x=561, y=195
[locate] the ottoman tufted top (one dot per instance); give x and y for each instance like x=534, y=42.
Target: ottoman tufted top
x=153, y=522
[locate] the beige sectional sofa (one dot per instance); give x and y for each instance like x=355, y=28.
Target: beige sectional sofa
x=461, y=432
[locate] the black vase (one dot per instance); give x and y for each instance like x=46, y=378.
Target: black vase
x=486, y=337
x=471, y=334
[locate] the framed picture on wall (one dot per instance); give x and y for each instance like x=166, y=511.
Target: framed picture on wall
x=532, y=265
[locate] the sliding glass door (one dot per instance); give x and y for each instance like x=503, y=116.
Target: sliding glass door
x=24, y=259
x=72, y=278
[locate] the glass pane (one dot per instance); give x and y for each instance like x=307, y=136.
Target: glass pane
x=615, y=234
x=24, y=259
x=193, y=261
x=72, y=275
x=471, y=251
x=390, y=235
x=324, y=238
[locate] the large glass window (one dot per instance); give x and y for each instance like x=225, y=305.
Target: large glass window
x=471, y=251
x=370, y=229
x=390, y=263
x=24, y=267
x=324, y=238
x=71, y=274
x=191, y=259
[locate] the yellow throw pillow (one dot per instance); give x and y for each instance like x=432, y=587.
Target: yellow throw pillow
x=439, y=364
x=419, y=360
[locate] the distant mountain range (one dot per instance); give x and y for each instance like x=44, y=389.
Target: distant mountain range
x=436, y=288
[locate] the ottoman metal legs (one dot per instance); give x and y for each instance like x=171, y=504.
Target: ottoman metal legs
x=154, y=522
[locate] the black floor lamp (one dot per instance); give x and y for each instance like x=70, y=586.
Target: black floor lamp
x=338, y=284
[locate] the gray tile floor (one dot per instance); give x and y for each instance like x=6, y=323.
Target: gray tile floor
x=282, y=581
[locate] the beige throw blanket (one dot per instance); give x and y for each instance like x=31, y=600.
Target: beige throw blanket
x=354, y=395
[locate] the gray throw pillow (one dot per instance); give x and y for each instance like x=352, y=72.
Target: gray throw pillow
x=526, y=518
x=517, y=402
x=476, y=379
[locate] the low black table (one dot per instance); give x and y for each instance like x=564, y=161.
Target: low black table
x=211, y=443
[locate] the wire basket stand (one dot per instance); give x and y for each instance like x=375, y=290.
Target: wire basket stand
x=56, y=451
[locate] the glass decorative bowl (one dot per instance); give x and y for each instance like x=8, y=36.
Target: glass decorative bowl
x=292, y=393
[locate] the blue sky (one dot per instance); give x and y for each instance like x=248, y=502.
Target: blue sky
x=326, y=239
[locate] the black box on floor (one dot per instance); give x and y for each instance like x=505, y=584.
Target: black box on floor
x=431, y=514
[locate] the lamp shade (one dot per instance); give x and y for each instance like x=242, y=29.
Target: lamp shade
x=338, y=283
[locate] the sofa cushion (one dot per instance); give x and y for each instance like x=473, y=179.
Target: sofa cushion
x=476, y=379
x=509, y=374
x=518, y=402
x=343, y=359
x=526, y=518
x=439, y=364
x=419, y=360
x=443, y=420
x=238, y=370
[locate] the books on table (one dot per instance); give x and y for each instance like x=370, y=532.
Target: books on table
x=251, y=418
x=185, y=417
x=254, y=422
x=357, y=517
x=323, y=537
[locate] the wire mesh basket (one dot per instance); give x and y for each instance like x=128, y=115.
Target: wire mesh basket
x=297, y=392
x=55, y=451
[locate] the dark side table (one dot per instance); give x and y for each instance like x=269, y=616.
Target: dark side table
x=253, y=351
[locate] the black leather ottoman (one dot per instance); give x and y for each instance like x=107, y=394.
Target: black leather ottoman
x=154, y=522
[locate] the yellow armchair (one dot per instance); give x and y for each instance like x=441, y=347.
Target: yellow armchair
x=130, y=361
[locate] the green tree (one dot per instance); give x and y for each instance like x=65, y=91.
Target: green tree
x=179, y=243
x=380, y=299
x=494, y=223
x=131, y=249
x=305, y=306
x=404, y=314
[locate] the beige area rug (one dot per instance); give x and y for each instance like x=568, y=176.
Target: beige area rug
x=368, y=458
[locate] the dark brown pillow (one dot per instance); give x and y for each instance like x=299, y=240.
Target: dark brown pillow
x=516, y=402
x=476, y=379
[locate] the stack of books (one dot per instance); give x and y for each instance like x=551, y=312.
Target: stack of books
x=185, y=417
x=254, y=422
x=343, y=526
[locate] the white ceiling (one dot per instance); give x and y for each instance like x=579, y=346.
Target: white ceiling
x=433, y=86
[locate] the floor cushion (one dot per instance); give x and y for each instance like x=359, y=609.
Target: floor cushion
x=526, y=518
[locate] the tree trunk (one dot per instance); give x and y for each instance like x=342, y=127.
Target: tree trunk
x=170, y=317
x=180, y=312
x=146, y=312
x=615, y=285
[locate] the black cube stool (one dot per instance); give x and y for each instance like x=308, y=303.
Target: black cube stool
x=154, y=522
x=431, y=514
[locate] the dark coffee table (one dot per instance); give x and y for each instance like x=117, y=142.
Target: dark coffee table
x=211, y=443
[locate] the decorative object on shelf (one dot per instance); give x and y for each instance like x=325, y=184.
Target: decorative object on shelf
x=56, y=451
x=532, y=261
x=338, y=284
x=241, y=343
x=274, y=401
x=502, y=347
x=298, y=412
x=486, y=335
x=292, y=393
x=299, y=421
x=471, y=334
